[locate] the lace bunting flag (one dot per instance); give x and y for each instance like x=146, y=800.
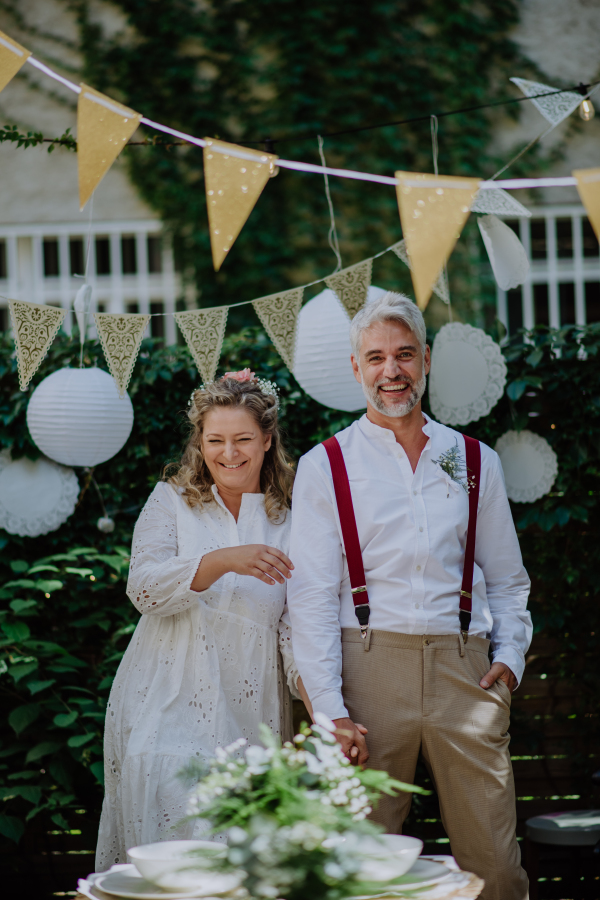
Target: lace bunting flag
x=203, y=330
x=588, y=186
x=351, y=286
x=103, y=129
x=233, y=186
x=121, y=335
x=279, y=315
x=433, y=211
x=34, y=329
x=554, y=108
x=496, y=202
x=440, y=288
x=12, y=57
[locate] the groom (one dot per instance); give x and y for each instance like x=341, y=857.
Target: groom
x=415, y=675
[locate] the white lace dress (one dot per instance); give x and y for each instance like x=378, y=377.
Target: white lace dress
x=201, y=670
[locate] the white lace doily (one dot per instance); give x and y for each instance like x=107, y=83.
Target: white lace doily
x=554, y=107
x=506, y=252
x=529, y=463
x=468, y=374
x=35, y=497
x=498, y=202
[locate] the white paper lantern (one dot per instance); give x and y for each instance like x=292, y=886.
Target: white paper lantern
x=529, y=463
x=35, y=496
x=322, y=362
x=76, y=417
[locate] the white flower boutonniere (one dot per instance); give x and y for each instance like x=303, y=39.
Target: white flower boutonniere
x=451, y=462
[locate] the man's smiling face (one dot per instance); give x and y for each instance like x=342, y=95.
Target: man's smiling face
x=391, y=368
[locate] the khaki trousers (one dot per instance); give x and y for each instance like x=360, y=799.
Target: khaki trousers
x=417, y=693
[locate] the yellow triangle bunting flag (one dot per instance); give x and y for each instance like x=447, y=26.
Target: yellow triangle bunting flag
x=121, y=335
x=433, y=211
x=440, y=287
x=588, y=186
x=34, y=329
x=233, y=186
x=279, y=315
x=103, y=128
x=12, y=57
x=204, y=330
x=351, y=286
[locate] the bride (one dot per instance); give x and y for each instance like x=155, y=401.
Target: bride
x=208, y=573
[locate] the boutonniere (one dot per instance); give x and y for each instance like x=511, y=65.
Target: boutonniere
x=451, y=462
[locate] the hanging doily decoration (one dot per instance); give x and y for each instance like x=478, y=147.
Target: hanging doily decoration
x=440, y=288
x=497, y=202
x=103, y=128
x=204, y=330
x=76, y=417
x=351, y=286
x=279, y=316
x=233, y=186
x=433, y=211
x=506, y=252
x=468, y=374
x=34, y=328
x=121, y=335
x=588, y=187
x=529, y=463
x=35, y=496
x=322, y=364
x=555, y=107
x=12, y=57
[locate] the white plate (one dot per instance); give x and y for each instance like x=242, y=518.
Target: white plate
x=424, y=873
x=127, y=882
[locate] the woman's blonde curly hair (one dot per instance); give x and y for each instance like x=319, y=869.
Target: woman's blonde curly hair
x=277, y=474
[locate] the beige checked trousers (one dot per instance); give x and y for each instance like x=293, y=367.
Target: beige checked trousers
x=417, y=693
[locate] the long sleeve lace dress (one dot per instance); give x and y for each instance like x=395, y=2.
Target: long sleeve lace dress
x=202, y=668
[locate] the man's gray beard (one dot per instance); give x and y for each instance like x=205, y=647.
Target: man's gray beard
x=417, y=389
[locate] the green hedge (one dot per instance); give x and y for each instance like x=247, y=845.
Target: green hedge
x=64, y=617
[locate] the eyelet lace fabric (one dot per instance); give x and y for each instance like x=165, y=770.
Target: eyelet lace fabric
x=202, y=668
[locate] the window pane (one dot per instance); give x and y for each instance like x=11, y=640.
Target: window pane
x=76, y=256
x=154, y=253
x=3, y=272
x=514, y=224
x=540, y=304
x=132, y=307
x=566, y=296
x=515, y=310
x=564, y=238
x=101, y=307
x=157, y=325
x=51, y=267
x=4, y=326
x=538, y=239
x=102, y=256
x=592, y=301
x=590, y=241
x=129, y=255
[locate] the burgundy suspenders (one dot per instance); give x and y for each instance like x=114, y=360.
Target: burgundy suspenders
x=343, y=496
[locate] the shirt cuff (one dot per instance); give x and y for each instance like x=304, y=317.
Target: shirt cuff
x=511, y=658
x=331, y=703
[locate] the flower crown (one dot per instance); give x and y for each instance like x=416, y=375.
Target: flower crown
x=269, y=388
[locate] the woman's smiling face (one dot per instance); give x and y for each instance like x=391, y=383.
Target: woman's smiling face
x=234, y=449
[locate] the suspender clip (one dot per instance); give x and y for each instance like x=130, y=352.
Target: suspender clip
x=358, y=590
x=363, y=611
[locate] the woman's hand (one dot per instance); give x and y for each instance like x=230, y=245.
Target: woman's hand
x=268, y=564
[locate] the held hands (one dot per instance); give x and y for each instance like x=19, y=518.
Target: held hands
x=350, y=736
x=499, y=670
x=268, y=564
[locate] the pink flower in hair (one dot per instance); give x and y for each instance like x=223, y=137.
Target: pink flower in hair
x=243, y=375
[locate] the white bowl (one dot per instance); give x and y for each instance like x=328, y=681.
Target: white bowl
x=388, y=856
x=171, y=864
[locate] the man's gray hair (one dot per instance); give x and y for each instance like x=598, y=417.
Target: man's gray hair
x=390, y=307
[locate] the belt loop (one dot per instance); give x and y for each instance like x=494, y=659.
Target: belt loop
x=367, y=639
x=461, y=644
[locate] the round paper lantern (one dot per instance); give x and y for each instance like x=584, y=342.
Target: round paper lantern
x=322, y=361
x=35, y=496
x=468, y=374
x=76, y=417
x=529, y=463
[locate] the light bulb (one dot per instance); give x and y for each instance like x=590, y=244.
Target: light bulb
x=586, y=110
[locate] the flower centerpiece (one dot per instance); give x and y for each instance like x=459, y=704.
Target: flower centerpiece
x=295, y=815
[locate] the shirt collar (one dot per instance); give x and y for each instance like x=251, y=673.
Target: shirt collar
x=248, y=500
x=370, y=430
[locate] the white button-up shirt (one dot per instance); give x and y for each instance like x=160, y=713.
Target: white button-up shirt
x=412, y=529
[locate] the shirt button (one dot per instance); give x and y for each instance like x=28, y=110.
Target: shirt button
x=416, y=605
x=418, y=568
x=415, y=493
x=421, y=528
